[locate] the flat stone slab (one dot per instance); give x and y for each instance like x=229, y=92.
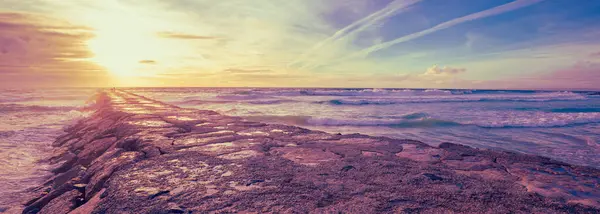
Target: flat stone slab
x=137, y=155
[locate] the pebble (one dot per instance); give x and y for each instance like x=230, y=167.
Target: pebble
x=80, y=187
x=104, y=194
x=177, y=191
x=159, y=193
x=254, y=181
x=174, y=208
x=347, y=168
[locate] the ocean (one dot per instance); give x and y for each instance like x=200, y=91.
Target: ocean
x=563, y=125
x=30, y=120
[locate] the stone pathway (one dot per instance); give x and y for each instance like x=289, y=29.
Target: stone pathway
x=136, y=155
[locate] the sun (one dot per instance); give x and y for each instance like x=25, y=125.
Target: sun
x=121, y=43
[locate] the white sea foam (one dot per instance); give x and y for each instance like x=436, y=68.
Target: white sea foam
x=490, y=120
x=388, y=100
x=529, y=119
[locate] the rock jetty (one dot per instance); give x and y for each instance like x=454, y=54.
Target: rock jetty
x=137, y=155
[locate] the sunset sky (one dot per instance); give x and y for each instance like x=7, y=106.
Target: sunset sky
x=551, y=44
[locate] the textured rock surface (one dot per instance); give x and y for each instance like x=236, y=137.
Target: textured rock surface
x=63, y=203
x=136, y=155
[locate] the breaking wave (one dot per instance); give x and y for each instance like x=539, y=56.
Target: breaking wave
x=34, y=108
x=424, y=120
x=249, y=101
x=542, y=97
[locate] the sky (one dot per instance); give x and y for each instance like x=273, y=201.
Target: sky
x=496, y=44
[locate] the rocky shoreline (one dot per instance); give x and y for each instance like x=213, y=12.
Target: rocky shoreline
x=136, y=155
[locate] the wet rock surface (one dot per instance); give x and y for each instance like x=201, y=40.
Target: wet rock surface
x=136, y=155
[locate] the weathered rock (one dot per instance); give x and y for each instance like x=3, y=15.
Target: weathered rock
x=174, y=208
x=90, y=205
x=94, y=149
x=69, y=160
x=46, y=198
x=62, y=204
x=97, y=180
x=62, y=178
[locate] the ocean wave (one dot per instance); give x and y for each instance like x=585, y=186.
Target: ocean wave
x=4, y=98
x=414, y=116
x=424, y=120
x=5, y=134
x=430, y=122
x=35, y=108
x=546, y=97
x=368, y=96
x=242, y=97
x=405, y=121
x=201, y=102
x=337, y=92
x=270, y=102
x=511, y=119
x=575, y=110
x=378, y=92
x=286, y=119
x=254, y=102
x=8, y=96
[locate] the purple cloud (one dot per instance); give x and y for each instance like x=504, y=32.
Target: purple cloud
x=583, y=74
x=34, y=48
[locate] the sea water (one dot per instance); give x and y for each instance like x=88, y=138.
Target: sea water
x=30, y=120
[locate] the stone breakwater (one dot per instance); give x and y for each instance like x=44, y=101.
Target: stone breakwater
x=136, y=155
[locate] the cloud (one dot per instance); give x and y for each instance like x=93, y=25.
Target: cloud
x=147, y=61
x=33, y=48
x=358, y=26
x=296, y=43
x=25, y=41
x=246, y=71
x=270, y=77
x=173, y=35
x=437, y=71
x=471, y=17
x=582, y=74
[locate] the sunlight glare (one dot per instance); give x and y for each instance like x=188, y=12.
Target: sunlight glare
x=121, y=42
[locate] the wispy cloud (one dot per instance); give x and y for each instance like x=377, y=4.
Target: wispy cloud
x=436, y=70
x=471, y=17
x=148, y=61
x=582, y=75
x=246, y=71
x=358, y=26
x=173, y=35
